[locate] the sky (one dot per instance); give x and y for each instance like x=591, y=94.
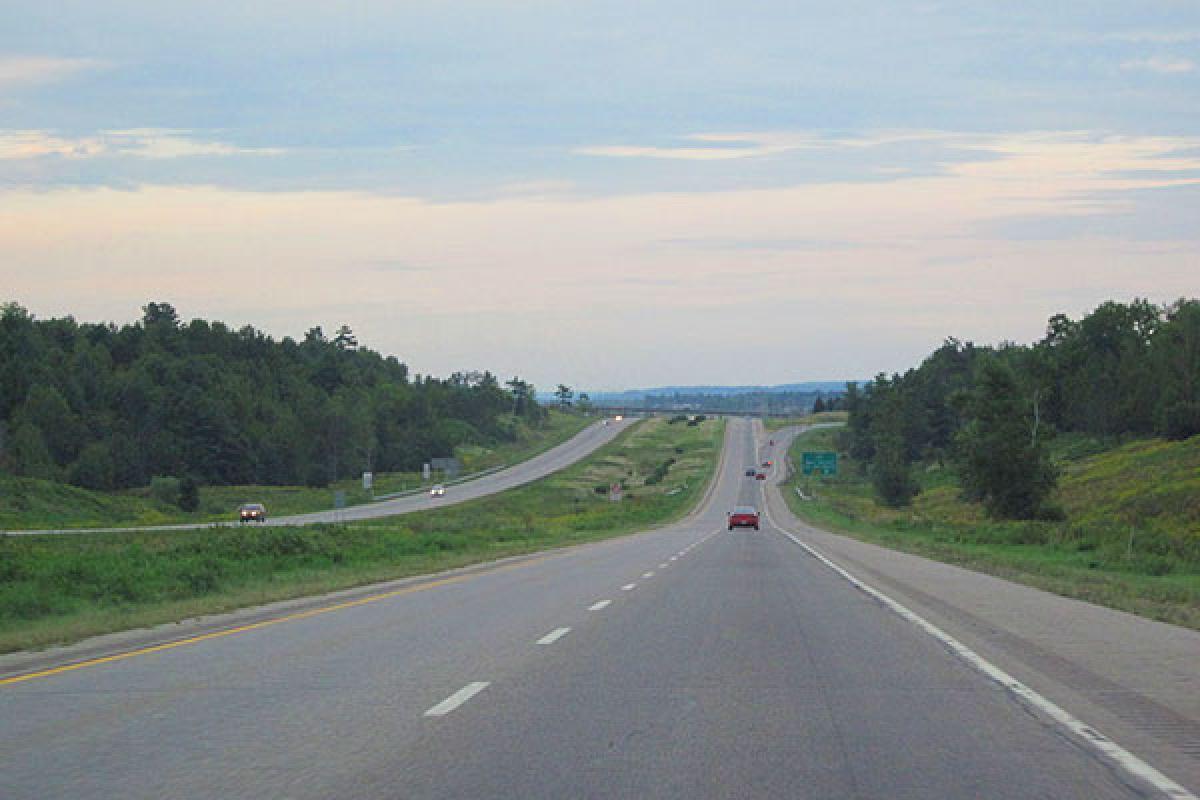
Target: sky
x=604, y=194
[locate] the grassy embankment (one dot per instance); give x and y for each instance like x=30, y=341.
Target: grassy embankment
x=1130, y=539
x=64, y=588
x=26, y=503
x=775, y=423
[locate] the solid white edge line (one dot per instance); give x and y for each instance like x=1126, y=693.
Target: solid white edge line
x=1107, y=747
x=627, y=587
x=457, y=699
x=599, y=606
x=554, y=635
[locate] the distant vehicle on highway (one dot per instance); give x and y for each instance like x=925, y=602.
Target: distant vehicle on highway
x=766, y=463
x=252, y=512
x=750, y=472
x=437, y=491
x=760, y=476
x=743, y=517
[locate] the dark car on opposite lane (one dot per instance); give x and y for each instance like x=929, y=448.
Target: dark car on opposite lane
x=252, y=512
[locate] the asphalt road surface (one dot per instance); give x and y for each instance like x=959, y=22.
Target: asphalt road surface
x=687, y=662
x=554, y=459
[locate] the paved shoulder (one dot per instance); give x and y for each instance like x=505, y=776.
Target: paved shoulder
x=1134, y=679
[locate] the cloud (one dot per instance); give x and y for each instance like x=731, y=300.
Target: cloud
x=1163, y=65
x=1157, y=37
x=168, y=143
x=17, y=145
x=148, y=143
x=712, y=147
x=31, y=70
x=757, y=144
x=680, y=153
x=771, y=245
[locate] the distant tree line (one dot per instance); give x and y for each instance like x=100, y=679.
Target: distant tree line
x=107, y=407
x=1124, y=369
x=834, y=402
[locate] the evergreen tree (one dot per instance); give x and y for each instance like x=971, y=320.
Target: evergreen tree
x=1000, y=461
x=29, y=455
x=1175, y=352
x=891, y=470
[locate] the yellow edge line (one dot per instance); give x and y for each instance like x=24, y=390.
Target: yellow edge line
x=45, y=673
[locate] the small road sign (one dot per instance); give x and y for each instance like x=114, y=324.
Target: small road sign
x=823, y=463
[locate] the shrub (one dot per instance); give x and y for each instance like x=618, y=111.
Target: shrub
x=893, y=481
x=659, y=473
x=1183, y=421
x=189, y=494
x=95, y=468
x=165, y=489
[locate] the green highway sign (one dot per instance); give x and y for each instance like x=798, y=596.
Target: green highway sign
x=818, y=462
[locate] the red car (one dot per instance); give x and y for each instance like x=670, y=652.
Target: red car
x=743, y=517
x=762, y=476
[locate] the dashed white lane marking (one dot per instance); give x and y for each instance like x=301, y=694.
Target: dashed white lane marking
x=647, y=574
x=662, y=566
x=1107, y=747
x=672, y=558
x=628, y=587
x=598, y=606
x=554, y=635
x=457, y=699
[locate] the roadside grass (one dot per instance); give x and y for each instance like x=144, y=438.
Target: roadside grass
x=27, y=503
x=58, y=589
x=1130, y=539
x=775, y=423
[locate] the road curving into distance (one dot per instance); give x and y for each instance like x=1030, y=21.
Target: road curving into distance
x=556, y=458
x=683, y=662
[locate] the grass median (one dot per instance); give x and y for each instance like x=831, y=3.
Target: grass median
x=57, y=589
x=819, y=418
x=1130, y=539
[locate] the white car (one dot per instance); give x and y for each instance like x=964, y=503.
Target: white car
x=437, y=491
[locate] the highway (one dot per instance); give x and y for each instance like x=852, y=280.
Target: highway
x=541, y=465
x=684, y=662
